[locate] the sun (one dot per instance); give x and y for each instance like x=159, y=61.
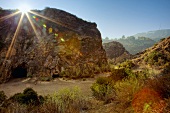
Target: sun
x=24, y=9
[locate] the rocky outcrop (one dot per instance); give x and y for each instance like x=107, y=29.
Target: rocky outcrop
x=62, y=43
x=116, y=52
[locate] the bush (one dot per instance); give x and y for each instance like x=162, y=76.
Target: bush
x=66, y=101
x=127, y=64
x=155, y=58
x=103, y=89
x=118, y=74
x=126, y=89
x=29, y=96
x=161, y=85
x=148, y=101
x=153, y=96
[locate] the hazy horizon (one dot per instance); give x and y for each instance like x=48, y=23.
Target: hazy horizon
x=114, y=18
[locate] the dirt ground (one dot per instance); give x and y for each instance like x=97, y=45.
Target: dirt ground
x=43, y=88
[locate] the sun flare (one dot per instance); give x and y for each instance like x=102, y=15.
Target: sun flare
x=24, y=8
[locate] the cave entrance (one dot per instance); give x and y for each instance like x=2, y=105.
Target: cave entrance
x=19, y=72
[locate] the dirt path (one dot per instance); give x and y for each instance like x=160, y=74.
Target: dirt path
x=43, y=88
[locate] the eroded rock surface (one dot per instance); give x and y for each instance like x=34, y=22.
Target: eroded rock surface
x=63, y=45
x=116, y=52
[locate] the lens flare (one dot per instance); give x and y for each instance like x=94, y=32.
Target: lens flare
x=8, y=54
x=54, y=21
x=36, y=33
x=8, y=16
x=24, y=9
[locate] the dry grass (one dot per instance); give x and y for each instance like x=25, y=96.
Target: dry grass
x=148, y=101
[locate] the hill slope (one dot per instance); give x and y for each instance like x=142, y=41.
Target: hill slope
x=134, y=45
x=116, y=52
x=156, y=57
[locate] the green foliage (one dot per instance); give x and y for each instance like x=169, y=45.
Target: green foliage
x=18, y=97
x=84, y=71
x=127, y=64
x=125, y=91
x=134, y=46
x=29, y=96
x=68, y=100
x=103, y=89
x=155, y=58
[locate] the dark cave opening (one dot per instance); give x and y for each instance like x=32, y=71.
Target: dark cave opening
x=19, y=72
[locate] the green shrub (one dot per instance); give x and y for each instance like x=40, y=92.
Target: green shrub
x=127, y=64
x=155, y=58
x=125, y=91
x=103, y=89
x=29, y=96
x=18, y=97
x=67, y=101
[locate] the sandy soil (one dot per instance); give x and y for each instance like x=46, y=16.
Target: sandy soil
x=43, y=88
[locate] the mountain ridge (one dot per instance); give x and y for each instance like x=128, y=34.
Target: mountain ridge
x=154, y=34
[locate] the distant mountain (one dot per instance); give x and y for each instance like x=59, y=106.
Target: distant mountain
x=134, y=45
x=154, y=35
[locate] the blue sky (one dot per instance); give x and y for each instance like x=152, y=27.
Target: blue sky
x=113, y=17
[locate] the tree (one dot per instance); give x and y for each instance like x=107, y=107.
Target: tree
x=131, y=38
x=106, y=38
x=123, y=37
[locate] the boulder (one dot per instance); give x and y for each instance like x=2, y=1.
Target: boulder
x=61, y=42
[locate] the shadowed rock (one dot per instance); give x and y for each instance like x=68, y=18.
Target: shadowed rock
x=72, y=42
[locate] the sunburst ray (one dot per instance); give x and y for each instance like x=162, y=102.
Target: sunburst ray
x=52, y=20
x=8, y=54
x=36, y=33
x=9, y=16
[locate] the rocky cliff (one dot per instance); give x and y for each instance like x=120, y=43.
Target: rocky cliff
x=60, y=44
x=116, y=52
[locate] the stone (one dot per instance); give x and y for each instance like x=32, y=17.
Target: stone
x=116, y=52
x=73, y=46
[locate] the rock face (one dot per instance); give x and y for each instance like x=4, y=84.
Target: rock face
x=116, y=51
x=62, y=44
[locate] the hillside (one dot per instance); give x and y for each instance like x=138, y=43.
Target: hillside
x=155, y=35
x=134, y=45
x=116, y=52
x=156, y=57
